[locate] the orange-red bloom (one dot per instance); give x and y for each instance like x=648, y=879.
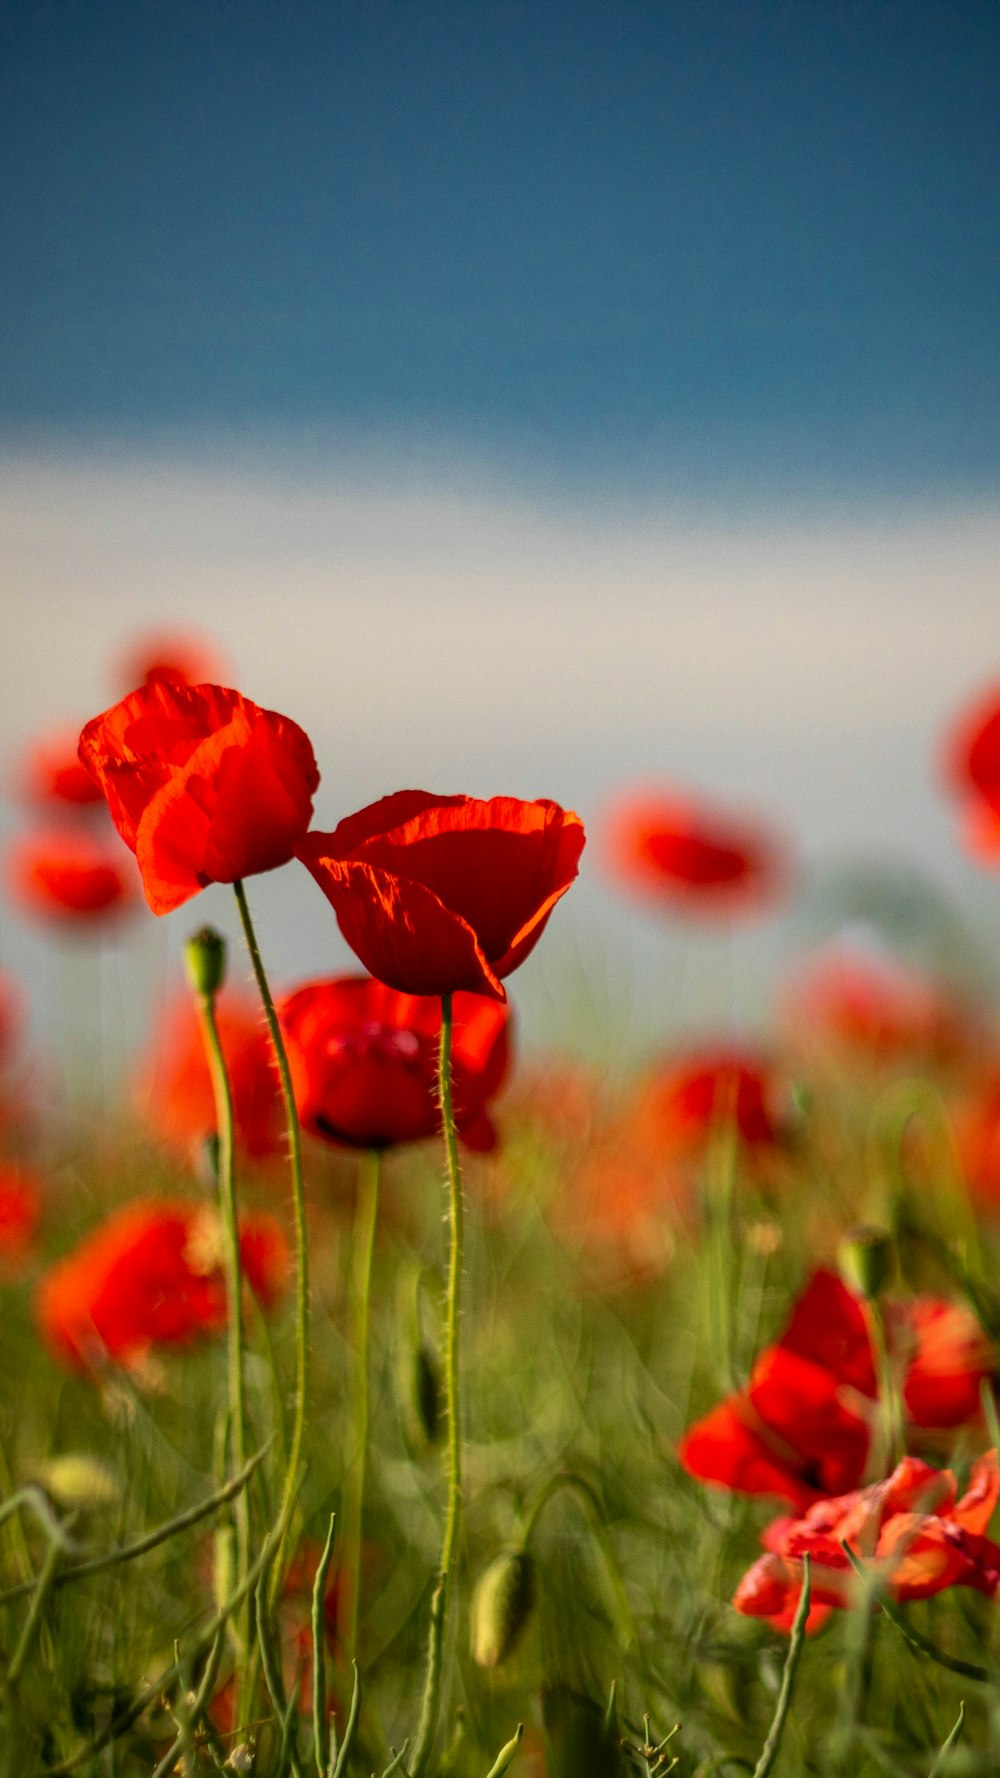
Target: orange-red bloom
x=972, y=766
x=20, y=1209
x=70, y=877
x=686, y=1099
x=203, y=785
x=874, y=1008
x=690, y=855
x=912, y=1527
x=802, y=1427
x=173, y=1092
x=151, y=1276
x=440, y=893
x=364, y=1061
x=53, y=772
x=171, y=657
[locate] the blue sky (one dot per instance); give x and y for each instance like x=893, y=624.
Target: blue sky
x=711, y=243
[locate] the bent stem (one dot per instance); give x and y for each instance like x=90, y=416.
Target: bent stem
x=431, y=1701
x=290, y=1482
x=362, y=1251
x=226, y=1182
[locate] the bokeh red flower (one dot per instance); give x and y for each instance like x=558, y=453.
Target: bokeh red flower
x=70, y=878
x=53, y=773
x=172, y=1092
x=364, y=1061
x=436, y=894
x=203, y=785
x=20, y=1210
x=687, y=854
x=151, y=1276
x=972, y=767
x=912, y=1528
x=869, y=1007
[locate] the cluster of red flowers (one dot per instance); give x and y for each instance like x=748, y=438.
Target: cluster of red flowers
x=803, y=1431
x=440, y=896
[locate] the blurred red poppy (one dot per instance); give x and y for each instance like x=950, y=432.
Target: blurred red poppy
x=972, y=767
x=802, y=1427
x=172, y=657
x=20, y=1210
x=149, y=1276
x=440, y=893
x=872, y=1007
x=686, y=853
x=173, y=1090
x=204, y=786
x=69, y=877
x=977, y=1134
x=364, y=1061
x=53, y=772
x=912, y=1528
x=683, y=1101
x=950, y=1358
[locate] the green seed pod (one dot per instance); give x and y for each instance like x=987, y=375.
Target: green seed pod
x=420, y=1393
x=205, y=959
x=501, y=1607
x=866, y=1261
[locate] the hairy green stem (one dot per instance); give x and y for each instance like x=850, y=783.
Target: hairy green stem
x=290, y=1482
x=226, y=1180
x=362, y=1252
x=431, y=1701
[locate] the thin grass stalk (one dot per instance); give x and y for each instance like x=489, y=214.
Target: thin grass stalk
x=431, y=1700
x=362, y=1252
x=321, y=1728
x=941, y=1763
x=769, y=1751
x=293, y=1463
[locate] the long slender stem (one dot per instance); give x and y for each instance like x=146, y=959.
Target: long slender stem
x=290, y=1482
x=362, y=1251
x=431, y=1701
x=223, y=1093
x=769, y=1751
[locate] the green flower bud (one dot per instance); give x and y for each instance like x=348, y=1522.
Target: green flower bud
x=866, y=1261
x=205, y=958
x=501, y=1606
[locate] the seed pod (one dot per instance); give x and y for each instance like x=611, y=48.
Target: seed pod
x=205, y=958
x=420, y=1390
x=501, y=1607
x=866, y=1261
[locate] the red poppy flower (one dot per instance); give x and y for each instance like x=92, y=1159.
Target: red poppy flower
x=685, y=1100
x=951, y=1358
x=173, y=1092
x=972, y=766
x=20, y=1210
x=440, y=893
x=695, y=857
x=977, y=1129
x=873, y=1007
x=172, y=658
x=912, y=1527
x=204, y=786
x=54, y=773
x=801, y=1429
x=150, y=1276
x=364, y=1061
x=69, y=877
